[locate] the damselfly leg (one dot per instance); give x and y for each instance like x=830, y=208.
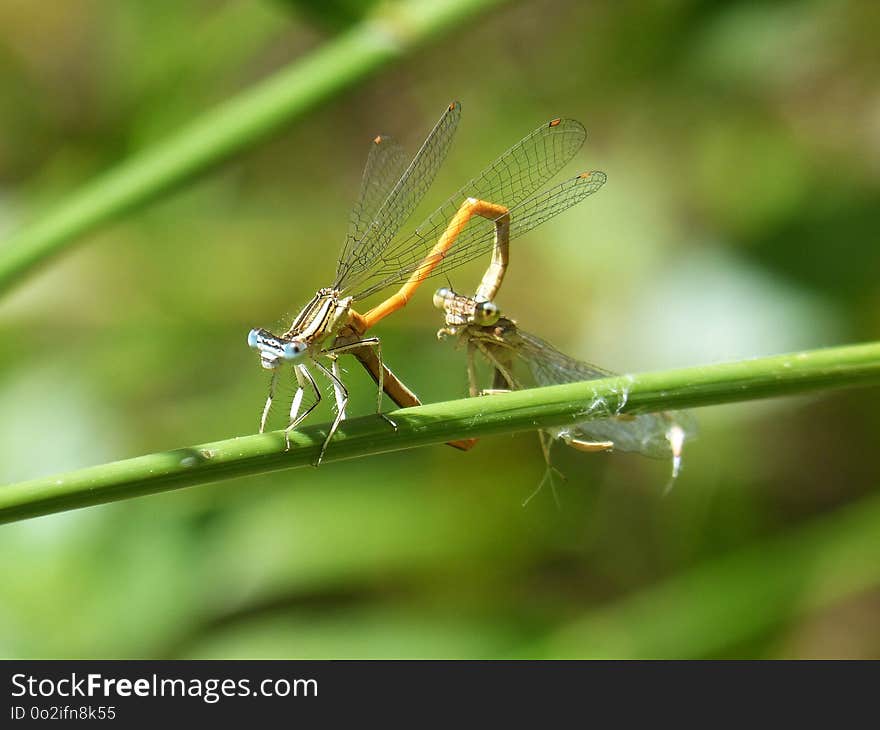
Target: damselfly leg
x=385, y=379
x=303, y=378
x=340, y=393
x=368, y=343
x=273, y=381
x=550, y=471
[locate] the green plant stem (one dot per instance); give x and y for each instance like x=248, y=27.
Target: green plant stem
x=244, y=120
x=433, y=424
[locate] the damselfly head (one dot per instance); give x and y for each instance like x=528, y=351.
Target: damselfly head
x=274, y=351
x=461, y=310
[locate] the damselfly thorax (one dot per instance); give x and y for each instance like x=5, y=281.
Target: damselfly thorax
x=321, y=318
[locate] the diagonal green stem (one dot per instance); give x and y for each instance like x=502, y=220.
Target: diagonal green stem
x=433, y=424
x=233, y=126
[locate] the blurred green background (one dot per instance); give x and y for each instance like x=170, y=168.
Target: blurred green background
x=741, y=218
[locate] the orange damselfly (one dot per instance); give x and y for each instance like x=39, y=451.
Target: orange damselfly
x=477, y=217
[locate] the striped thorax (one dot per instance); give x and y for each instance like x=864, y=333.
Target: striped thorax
x=320, y=320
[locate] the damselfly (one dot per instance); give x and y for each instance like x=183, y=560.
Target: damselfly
x=519, y=359
x=482, y=213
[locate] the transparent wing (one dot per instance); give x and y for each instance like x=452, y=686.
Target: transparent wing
x=509, y=181
x=386, y=163
x=545, y=365
x=377, y=231
x=645, y=434
x=478, y=235
x=549, y=366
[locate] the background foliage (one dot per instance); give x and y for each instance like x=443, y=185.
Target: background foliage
x=742, y=144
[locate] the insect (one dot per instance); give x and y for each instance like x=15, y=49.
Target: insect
x=518, y=359
x=375, y=258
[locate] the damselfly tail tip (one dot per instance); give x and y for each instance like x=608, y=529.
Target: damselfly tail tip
x=676, y=436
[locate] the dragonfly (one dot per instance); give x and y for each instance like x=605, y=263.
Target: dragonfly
x=374, y=257
x=518, y=358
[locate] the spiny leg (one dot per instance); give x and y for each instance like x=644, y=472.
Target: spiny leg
x=386, y=380
x=268, y=405
x=297, y=398
x=303, y=376
x=342, y=401
x=546, y=441
x=502, y=376
x=375, y=344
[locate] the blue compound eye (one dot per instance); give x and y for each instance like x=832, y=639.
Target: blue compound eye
x=252, y=338
x=292, y=350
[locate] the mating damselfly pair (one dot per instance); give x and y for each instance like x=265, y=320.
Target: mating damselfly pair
x=505, y=200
